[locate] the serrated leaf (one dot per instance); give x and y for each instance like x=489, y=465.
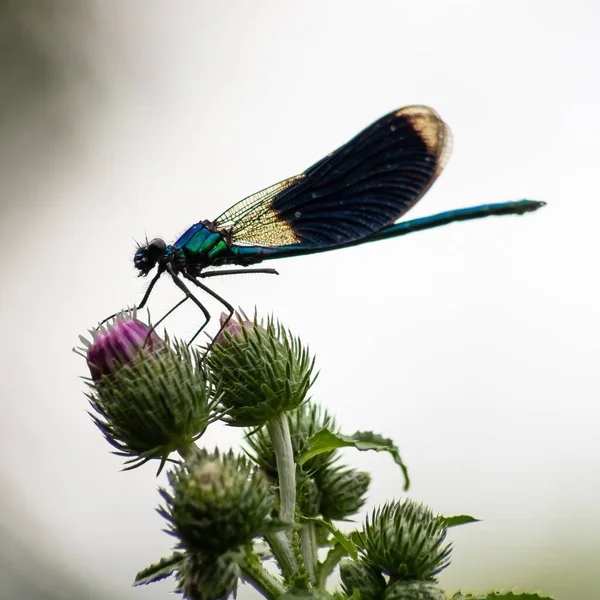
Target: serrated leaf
x=500, y=596
x=344, y=541
x=458, y=520
x=325, y=440
x=159, y=570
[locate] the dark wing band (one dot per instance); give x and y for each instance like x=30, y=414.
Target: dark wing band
x=364, y=185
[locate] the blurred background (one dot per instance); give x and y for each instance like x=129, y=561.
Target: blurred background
x=475, y=346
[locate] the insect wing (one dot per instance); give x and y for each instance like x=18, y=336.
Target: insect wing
x=364, y=185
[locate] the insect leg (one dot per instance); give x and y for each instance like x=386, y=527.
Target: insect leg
x=190, y=296
x=165, y=316
x=149, y=290
x=216, y=296
x=144, y=299
x=237, y=272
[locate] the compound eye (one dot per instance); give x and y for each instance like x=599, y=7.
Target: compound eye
x=157, y=245
x=156, y=248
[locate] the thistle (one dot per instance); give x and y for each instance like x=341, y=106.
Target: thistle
x=149, y=397
x=216, y=503
x=405, y=541
x=208, y=578
x=343, y=492
x=414, y=590
x=362, y=577
x=232, y=515
x=261, y=369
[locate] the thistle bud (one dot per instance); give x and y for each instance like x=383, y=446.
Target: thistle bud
x=308, y=495
x=149, y=397
x=208, y=578
x=414, y=590
x=404, y=539
x=124, y=342
x=342, y=492
x=357, y=575
x=216, y=503
x=261, y=371
x=232, y=328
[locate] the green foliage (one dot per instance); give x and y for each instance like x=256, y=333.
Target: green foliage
x=219, y=506
x=500, y=596
x=165, y=567
x=341, y=538
x=458, y=520
x=326, y=441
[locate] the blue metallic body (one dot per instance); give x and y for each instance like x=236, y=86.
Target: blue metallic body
x=352, y=196
x=201, y=246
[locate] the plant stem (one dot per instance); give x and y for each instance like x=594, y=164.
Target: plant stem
x=257, y=576
x=279, y=430
x=186, y=451
x=309, y=550
x=283, y=552
x=333, y=558
x=281, y=542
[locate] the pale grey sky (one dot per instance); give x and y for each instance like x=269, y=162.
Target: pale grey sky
x=475, y=346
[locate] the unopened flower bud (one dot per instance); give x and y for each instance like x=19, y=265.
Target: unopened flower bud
x=149, y=397
x=404, y=539
x=261, y=371
x=208, y=578
x=308, y=495
x=123, y=342
x=414, y=590
x=343, y=492
x=233, y=328
x=357, y=575
x=216, y=503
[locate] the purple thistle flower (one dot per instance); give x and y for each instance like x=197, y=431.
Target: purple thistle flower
x=121, y=343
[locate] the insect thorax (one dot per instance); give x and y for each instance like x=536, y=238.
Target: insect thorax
x=199, y=247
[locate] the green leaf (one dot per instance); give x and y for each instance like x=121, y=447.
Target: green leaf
x=160, y=570
x=458, y=520
x=346, y=543
x=325, y=440
x=500, y=596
